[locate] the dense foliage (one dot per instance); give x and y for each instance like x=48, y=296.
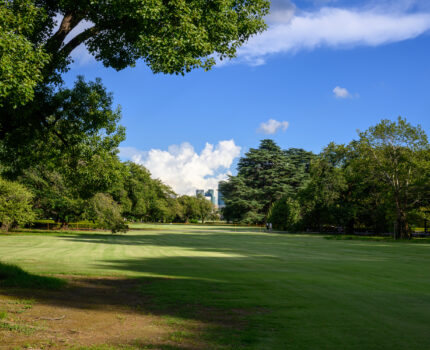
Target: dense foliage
x=264, y=176
x=15, y=204
x=379, y=183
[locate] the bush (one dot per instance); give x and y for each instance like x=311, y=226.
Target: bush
x=15, y=204
x=103, y=209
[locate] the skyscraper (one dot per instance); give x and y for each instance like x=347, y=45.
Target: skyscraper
x=211, y=193
x=221, y=203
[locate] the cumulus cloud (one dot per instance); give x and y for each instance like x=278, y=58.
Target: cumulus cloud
x=341, y=92
x=332, y=27
x=272, y=126
x=183, y=168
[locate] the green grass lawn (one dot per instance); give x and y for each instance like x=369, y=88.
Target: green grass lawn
x=280, y=291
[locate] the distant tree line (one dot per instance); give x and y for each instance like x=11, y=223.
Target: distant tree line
x=379, y=182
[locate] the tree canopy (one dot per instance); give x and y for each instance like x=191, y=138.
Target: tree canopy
x=398, y=155
x=15, y=204
x=264, y=175
x=37, y=38
x=172, y=37
x=21, y=59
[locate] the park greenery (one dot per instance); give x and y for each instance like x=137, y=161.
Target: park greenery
x=216, y=287
x=377, y=183
x=191, y=286
x=59, y=144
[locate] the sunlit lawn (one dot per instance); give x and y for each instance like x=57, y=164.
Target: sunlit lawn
x=279, y=291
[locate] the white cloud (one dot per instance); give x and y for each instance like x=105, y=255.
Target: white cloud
x=281, y=11
x=272, y=126
x=333, y=27
x=183, y=168
x=341, y=92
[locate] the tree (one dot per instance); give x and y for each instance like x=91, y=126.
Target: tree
x=135, y=191
x=15, y=204
x=105, y=211
x=399, y=156
x=324, y=199
x=67, y=167
x=204, y=208
x=264, y=175
x=189, y=206
x=365, y=197
x=54, y=197
x=75, y=121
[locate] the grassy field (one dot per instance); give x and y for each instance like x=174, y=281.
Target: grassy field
x=252, y=289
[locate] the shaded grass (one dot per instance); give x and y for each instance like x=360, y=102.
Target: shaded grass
x=14, y=276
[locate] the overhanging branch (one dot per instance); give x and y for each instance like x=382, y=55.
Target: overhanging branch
x=77, y=40
x=69, y=21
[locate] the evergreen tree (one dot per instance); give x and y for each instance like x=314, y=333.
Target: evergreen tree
x=264, y=175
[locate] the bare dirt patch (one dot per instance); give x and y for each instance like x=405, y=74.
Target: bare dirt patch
x=88, y=312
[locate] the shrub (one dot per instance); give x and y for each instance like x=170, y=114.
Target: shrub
x=15, y=204
x=103, y=209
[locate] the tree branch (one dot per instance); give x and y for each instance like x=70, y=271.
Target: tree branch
x=69, y=22
x=77, y=40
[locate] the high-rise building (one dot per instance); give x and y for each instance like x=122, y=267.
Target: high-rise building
x=200, y=193
x=221, y=203
x=211, y=194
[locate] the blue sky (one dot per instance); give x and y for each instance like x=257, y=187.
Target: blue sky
x=374, y=54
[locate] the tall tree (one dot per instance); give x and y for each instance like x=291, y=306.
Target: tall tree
x=76, y=160
x=398, y=153
x=323, y=197
x=264, y=175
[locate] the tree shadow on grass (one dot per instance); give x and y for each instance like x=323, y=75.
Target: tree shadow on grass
x=242, y=244
x=184, y=295
x=14, y=276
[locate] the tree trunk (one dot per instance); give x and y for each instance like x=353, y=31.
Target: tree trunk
x=402, y=226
